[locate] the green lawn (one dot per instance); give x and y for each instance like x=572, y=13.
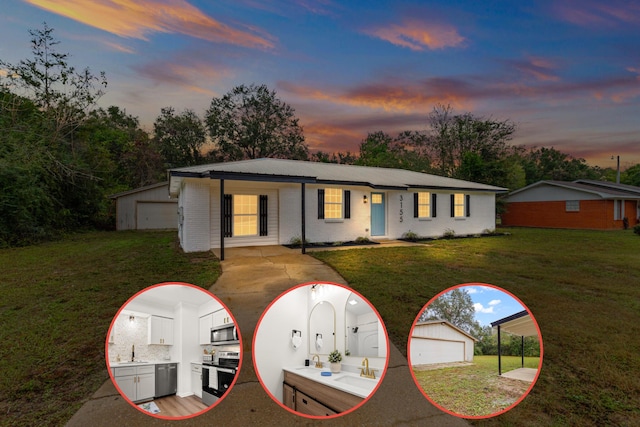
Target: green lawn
x=57, y=301
x=583, y=287
x=476, y=390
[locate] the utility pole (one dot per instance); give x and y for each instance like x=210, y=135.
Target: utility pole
x=618, y=170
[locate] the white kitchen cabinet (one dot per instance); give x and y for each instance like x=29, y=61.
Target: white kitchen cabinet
x=196, y=379
x=160, y=330
x=136, y=382
x=146, y=386
x=221, y=317
x=206, y=322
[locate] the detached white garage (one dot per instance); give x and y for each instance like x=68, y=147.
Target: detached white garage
x=146, y=208
x=438, y=341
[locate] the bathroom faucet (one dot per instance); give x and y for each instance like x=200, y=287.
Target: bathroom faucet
x=318, y=362
x=366, y=372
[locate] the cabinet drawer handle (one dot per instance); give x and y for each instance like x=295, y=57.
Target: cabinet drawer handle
x=304, y=401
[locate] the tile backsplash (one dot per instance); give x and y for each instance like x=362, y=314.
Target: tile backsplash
x=128, y=332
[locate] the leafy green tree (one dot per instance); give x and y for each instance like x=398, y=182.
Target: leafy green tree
x=49, y=169
x=250, y=122
x=402, y=152
x=551, y=164
x=468, y=147
x=456, y=307
x=179, y=137
x=631, y=176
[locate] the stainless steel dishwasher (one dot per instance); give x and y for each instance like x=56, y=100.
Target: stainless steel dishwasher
x=166, y=379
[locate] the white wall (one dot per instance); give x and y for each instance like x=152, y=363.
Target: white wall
x=482, y=215
x=196, y=225
x=201, y=228
x=185, y=347
x=272, y=346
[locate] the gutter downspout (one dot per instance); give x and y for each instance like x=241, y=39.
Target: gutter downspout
x=302, y=189
x=222, y=219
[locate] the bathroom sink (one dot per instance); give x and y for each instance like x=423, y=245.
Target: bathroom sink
x=363, y=383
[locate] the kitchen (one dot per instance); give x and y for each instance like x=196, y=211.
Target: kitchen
x=173, y=350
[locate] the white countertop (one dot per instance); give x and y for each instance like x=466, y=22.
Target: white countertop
x=348, y=382
x=125, y=364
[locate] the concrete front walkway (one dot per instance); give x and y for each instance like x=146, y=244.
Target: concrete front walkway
x=251, y=278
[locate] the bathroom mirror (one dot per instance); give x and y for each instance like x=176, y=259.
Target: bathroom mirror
x=362, y=328
x=322, y=328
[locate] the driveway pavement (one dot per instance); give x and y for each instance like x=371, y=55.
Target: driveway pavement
x=251, y=278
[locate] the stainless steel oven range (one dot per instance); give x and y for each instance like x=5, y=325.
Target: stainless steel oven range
x=218, y=373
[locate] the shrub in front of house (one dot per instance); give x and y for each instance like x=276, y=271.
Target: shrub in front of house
x=410, y=236
x=636, y=229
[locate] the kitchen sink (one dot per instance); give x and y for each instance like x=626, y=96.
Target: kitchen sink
x=130, y=363
x=363, y=383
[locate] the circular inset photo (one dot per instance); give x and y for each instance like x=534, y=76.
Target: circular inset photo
x=320, y=350
x=173, y=351
x=475, y=350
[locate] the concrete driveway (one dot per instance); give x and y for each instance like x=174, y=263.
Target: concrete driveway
x=251, y=278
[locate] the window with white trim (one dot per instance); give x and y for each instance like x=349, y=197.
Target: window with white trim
x=572, y=206
x=245, y=215
x=333, y=203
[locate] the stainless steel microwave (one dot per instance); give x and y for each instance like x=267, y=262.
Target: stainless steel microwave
x=224, y=334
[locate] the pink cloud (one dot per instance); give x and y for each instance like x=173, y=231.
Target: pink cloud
x=596, y=13
x=418, y=35
x=139, y=18
x=540, y=69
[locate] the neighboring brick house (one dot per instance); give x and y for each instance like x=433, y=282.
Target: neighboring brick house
x=583, y=204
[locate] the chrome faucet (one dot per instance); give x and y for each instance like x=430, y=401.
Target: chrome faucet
x=318, y=362
x=366, y=372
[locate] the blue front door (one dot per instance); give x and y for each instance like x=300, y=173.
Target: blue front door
x=377, y=214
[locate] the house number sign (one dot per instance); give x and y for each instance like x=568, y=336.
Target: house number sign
x=401, y=211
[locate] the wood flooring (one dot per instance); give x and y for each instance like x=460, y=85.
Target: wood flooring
x=174, y=406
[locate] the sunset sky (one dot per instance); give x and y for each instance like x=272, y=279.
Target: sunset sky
x=567, y=72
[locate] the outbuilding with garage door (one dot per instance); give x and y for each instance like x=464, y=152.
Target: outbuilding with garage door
x=438, y=341
x=146, y=208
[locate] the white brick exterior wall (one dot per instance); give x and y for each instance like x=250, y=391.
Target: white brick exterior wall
x=194, y=199
x=201, y=228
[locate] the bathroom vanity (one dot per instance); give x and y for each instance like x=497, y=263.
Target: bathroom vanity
x=306, y=391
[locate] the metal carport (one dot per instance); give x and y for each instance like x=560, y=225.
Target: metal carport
x=521, y=324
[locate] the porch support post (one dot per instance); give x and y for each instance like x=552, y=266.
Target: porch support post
x=499, y=353
x=222, y=209
x=302, y=222
x=522, y=351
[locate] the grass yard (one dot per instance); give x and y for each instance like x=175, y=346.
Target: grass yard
x=475, y=390
x=583, y=287
x=57, y=301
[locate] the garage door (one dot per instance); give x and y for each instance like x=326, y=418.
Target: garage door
x=156, y=215
x=425, y=351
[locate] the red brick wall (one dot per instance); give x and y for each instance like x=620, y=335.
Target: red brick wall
x=631, y=212
x=594, y=214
